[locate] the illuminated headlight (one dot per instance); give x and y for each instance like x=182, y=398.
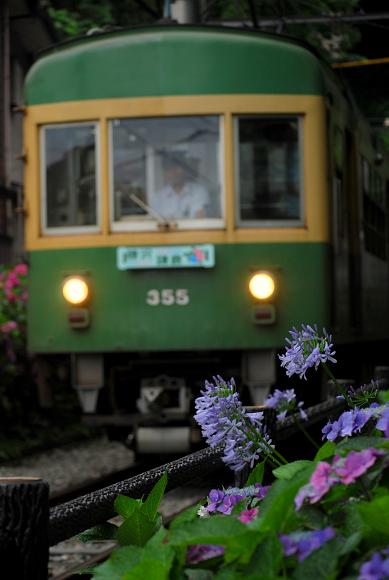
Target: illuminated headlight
x=75, y=290
x=262, y=285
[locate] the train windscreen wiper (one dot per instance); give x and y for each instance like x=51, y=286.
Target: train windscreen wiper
x=162, y=222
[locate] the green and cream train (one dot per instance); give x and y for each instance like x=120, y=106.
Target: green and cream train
x=191, y=194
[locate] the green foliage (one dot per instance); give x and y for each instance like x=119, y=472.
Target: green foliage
x=105, y=531
x=141, y=518
x=334, y=41
x=326, y=450
x=257, y=473
x=291, y=469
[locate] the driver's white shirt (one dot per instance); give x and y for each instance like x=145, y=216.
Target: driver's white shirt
x=183, y=205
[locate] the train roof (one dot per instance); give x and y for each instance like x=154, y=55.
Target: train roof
x=174, y=60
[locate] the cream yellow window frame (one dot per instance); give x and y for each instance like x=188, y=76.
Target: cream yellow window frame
x=315, y=175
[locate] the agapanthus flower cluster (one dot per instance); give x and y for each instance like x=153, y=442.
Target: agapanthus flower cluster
x=351, y=422
x=285, y=402
x=223, y=420
x=377, y=568
x=224, y=501
x=302, y=544
x=342, y=470
x=363, y=396
x=306, y=349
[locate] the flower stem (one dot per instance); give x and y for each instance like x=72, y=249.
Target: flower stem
x=271, y=450
x=305, y=432
x=339, y=386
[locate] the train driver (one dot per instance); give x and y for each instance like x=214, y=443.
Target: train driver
x=182, y=197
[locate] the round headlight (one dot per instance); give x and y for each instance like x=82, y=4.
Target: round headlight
x=262, y=285
x=75, y=290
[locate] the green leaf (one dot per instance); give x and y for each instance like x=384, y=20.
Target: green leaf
x=151, y=505
x=137, y=529
x=291, y=469
x=118, y=564
x=187, y=515
x=267, y=557
x=256, y=474
x=152, y=562
x=375, y=515
x=199, y=574
x=214, y=530
x=359, y=443
x=278, y=504
x=351, y=543
x=321, y=564
x=125, y=506
x=383, y=396
x=327, y=450
x=241, y=548
x=228, y=573
x=104, y=531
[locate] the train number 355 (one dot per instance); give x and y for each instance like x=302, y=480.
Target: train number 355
x=168, y=297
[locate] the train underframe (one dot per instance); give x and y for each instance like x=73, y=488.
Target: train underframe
x=148, y=399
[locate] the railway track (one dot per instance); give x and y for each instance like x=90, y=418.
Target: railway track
x=68, y=557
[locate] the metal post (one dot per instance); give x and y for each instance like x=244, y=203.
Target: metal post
x=24, y=511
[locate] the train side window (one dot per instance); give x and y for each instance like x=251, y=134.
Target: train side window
x=166, y=169
x=69, y=178
x=268, y=170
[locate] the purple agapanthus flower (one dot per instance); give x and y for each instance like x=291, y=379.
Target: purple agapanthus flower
x=306, y=349
x=302, y=544
x=224, y=420
x=362, y=396
x=201, y=552
x=343, y=470
x=347, y=424
x=285, y=402
x=377, y=568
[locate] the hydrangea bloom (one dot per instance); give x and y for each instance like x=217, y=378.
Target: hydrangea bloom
x=285, y=402
x=201, y=552
x=223, y=419
x=347, y=424
x=377, y=568
x=247, y=516
x=224, y=501
x=356, y=463
x=351, y=422
x=302, y=544
x=383, y=422
x=306, y=349
x=343, y=470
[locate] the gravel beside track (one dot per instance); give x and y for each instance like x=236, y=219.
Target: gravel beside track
x=72, y=466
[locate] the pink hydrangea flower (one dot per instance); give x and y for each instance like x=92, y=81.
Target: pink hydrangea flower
x=247, y=516
x=7, y=327
x=355, y=464
x=21, y=269
x=342, y=470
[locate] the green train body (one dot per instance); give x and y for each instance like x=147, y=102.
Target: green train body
x=150, y=293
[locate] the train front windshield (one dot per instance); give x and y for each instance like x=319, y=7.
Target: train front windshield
x=166, y=168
